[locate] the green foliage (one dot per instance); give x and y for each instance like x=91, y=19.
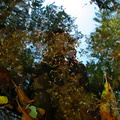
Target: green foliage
x=105, y=46
x=33, y=113
x=95, y=75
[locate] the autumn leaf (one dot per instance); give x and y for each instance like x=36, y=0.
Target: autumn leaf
x=24, y=112
x=22, y=97
x=3, y=100
x=41, y=111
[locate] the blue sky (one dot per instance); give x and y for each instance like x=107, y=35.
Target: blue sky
x=84, y=13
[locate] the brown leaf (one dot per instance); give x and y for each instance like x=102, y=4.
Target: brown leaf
x=22, y=97
x=22, y=110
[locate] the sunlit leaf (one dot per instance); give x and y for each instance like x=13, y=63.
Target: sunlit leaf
x=3, y=100
x=108, y=105
x=33, y=113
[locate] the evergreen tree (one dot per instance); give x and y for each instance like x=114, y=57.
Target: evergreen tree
x=104, y=46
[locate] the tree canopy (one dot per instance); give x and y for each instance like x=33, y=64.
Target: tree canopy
x=28, y=24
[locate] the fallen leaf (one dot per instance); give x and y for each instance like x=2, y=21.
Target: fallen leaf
x=22, y=97
x=3, y=100
x=33, y=113
x=41, y=111
x=23, y=111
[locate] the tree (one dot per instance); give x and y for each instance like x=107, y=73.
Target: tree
x=20, y=29
x=12, y=31
x=14, y=15
x=104, y=45
x=110, y=5
x=50, y=18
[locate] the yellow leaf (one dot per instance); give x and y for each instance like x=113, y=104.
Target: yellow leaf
x=41, y=111
x=3, y=100
x=108, y=105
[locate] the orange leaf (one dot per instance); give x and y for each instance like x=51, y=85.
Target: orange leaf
x=25, y=114
x=22, y=97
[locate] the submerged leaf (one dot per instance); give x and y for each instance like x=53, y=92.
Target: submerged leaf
x=23, y=111
x=41, y=111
